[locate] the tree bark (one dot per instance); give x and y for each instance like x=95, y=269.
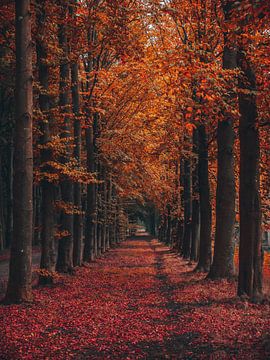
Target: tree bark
x=250, y=251
x=19, y=282
x=223, y=261
x=65, y=246
x=78, y=221
x=187, y=210
x=47, y=261
x=168, y=226
x=195, y=201
x=89, y=245
x=205, y=251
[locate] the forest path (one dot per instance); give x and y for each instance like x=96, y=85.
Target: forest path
x=139, y=301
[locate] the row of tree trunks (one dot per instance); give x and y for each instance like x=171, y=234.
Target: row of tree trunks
x=250, y=251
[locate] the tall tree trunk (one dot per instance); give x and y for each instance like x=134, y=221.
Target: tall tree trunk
x=195, y=201
x=187, y=210
x=223, y=261
x=105, y=207
x=205, y=251
x=65, y=246
x=78, y=221
x=168, y=226
x=109, y=212
x=89, y=245
x=48, y=189
x=250, y=252
x=19, y=282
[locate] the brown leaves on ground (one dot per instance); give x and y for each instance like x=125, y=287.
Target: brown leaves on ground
x=140, y=301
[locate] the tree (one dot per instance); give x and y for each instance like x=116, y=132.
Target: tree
x=195, y=201
x=65, y=246
x=223, y=260
x=186, y=246
x=205, y=249
x=48, y=217
x=19, y=282
x=250, y=250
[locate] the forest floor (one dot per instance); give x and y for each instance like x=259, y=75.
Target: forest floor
x=139, y=301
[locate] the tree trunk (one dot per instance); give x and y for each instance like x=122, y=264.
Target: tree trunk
x=109, y=213
x=9, y=195
x=223, y=261
x=187, y=210
x=195, y=201
x=78, y=221
x=47, y=262
x=250, y=251
x=2, y=220
x=89, y=245
x=19, y=282
x=168, y=226
x=65, y=245
x=205, y=251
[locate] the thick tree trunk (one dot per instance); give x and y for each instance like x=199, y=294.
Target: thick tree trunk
x=78, y=221
x=223, y=261
x=65, y=246
x=47, y=262
x=250, y=252
x=195, y=201
x=19, y=282
x=2, y=220
x=205, y=251
x=187, y=210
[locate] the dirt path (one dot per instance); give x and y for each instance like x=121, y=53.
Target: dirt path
x=139, y=301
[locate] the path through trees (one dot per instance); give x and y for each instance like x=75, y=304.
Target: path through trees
x=138, y=301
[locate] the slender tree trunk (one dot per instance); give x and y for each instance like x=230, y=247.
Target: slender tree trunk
x=105, y=211
x=187, y=210
x=65, y=246
x=109, y=213
x=169, y=226
x=205, y=251
x=89, y=245
x=19, y=282
x=78, y=221
x=47, y=262
x=223, y=261
x=99, y=215
x=250, y=252
x=195, y=201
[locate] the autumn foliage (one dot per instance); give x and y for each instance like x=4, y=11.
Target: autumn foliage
x=122, y=115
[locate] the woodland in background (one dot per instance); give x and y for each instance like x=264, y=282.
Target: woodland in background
x=135, y=108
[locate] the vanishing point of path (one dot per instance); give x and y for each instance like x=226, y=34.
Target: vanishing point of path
x=139, y=301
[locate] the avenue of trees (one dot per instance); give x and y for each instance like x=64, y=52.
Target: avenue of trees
x=105, y=104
